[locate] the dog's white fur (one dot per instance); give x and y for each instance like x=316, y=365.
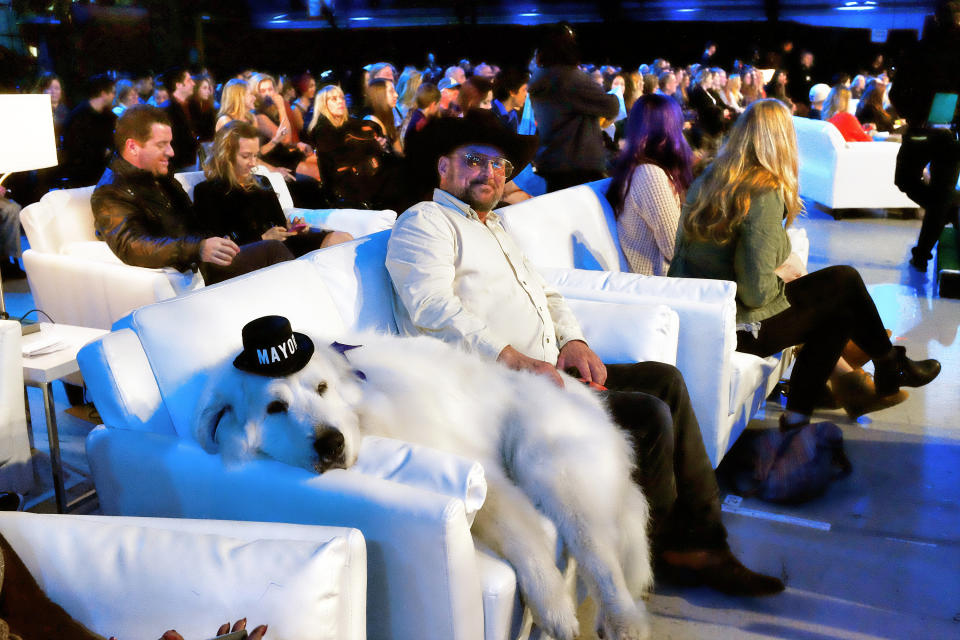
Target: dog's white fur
x=544, y=450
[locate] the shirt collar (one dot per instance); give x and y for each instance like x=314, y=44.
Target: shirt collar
x=443, y=198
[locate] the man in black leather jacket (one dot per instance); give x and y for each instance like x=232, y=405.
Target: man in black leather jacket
x=146, y=217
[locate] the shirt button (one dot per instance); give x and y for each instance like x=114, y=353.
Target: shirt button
x=548, y=340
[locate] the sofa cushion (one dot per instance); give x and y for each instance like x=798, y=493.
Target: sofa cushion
x=357, y=281
x=653, y=331
x=182, y=360
x=569, y=228
x=157, y=579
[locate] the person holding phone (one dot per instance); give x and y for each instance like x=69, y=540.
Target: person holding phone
x=238, y=204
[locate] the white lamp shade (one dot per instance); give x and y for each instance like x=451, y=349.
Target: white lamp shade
x=27, y=140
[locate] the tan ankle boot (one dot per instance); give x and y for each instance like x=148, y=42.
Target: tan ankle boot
x=857, y=395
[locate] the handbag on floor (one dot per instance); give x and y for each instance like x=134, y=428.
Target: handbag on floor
x=799, y=464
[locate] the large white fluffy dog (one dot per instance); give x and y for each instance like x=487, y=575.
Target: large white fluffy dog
x=544, y=450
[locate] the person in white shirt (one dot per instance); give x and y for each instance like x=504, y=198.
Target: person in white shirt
x=459, y=277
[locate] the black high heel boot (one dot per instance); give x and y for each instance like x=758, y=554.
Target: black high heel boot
x=895, y=370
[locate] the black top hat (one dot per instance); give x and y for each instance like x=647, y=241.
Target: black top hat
x=442, y=135
x=271, y=348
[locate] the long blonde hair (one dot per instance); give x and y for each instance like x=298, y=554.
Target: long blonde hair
x=838, y=101
x=226, y=142
x=320, y=108
x=760, y=155
x=233, y=103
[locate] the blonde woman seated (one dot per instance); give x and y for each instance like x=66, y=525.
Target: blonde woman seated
x=237, y=104
x=238, y=204
x=732, y=228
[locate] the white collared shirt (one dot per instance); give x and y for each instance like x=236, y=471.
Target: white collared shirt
x=467, y=282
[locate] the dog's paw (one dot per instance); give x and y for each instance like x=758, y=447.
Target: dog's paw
x=560, y=622
x=633, y=625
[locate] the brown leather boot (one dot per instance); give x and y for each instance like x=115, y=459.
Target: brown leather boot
x=857, y=394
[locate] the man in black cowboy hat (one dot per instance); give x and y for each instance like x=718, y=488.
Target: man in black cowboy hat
x=459, y=277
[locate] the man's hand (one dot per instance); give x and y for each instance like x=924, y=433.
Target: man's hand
x=277, y=233
x=515, y=360
x=219, y=251
x=256, y=634
x=791, y=269
x=581, y=357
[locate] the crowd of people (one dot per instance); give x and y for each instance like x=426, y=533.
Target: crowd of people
x=704, y=182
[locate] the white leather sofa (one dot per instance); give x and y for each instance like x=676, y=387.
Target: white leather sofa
x=425, y=577
x=76, y=279
x=846, y=175
x=569, y=233
x=137, y=577
x=16, y=470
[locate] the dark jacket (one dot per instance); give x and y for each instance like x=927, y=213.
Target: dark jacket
x=759, y=245
x=184, y=143
x=147, y=221
x=569, y=105
x=243, y=215
x=87, y=144
x=931, y=67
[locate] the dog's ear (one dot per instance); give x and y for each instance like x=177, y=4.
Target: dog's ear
x=216, y=404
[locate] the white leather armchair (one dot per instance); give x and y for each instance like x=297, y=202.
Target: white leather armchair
x=74, y=277
x=137, y=577
x=846, y=175
x=16, y=472
x=571, y=236
x=426, y=578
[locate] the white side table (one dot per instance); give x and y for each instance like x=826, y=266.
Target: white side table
x=41, y=371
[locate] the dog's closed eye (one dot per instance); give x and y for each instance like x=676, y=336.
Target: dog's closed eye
x=321, y=388
x=277, y=406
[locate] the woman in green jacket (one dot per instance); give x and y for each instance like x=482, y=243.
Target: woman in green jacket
x=732, y=228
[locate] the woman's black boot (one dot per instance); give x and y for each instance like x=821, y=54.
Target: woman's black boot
x=895, y=370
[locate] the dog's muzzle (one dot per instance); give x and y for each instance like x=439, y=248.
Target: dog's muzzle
x=329, y=446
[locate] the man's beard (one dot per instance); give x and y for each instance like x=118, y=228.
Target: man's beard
x=485, y=204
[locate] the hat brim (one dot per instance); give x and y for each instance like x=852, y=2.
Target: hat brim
x=247, y=360
x=442, y=135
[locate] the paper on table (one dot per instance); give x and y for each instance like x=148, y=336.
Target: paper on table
x=42, y=346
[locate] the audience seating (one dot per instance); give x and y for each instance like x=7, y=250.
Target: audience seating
x=846, y=175
x=76, y=279
x=137, y=577
x=573, y=230
x=426, y=578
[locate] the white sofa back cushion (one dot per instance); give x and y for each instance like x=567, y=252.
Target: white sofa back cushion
x=155, y=578
x=59, y=217
x=572, y=228
x=217, y=315
x=653, y=331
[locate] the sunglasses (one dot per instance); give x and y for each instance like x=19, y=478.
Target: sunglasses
x=479, y=161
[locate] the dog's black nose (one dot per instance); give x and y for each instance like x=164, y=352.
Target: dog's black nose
x=329, y=446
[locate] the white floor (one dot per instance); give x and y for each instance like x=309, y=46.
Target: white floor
x=879, y=555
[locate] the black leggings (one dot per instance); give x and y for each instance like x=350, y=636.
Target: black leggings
x=252, y=256
x=827, y=308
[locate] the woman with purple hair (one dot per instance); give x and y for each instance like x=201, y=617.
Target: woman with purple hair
x=650, y=180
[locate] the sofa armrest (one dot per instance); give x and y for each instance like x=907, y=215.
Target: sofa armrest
x=422, y=571
x=707, y=331
x=627, y=332
x=95, y=293
x=356, y=222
